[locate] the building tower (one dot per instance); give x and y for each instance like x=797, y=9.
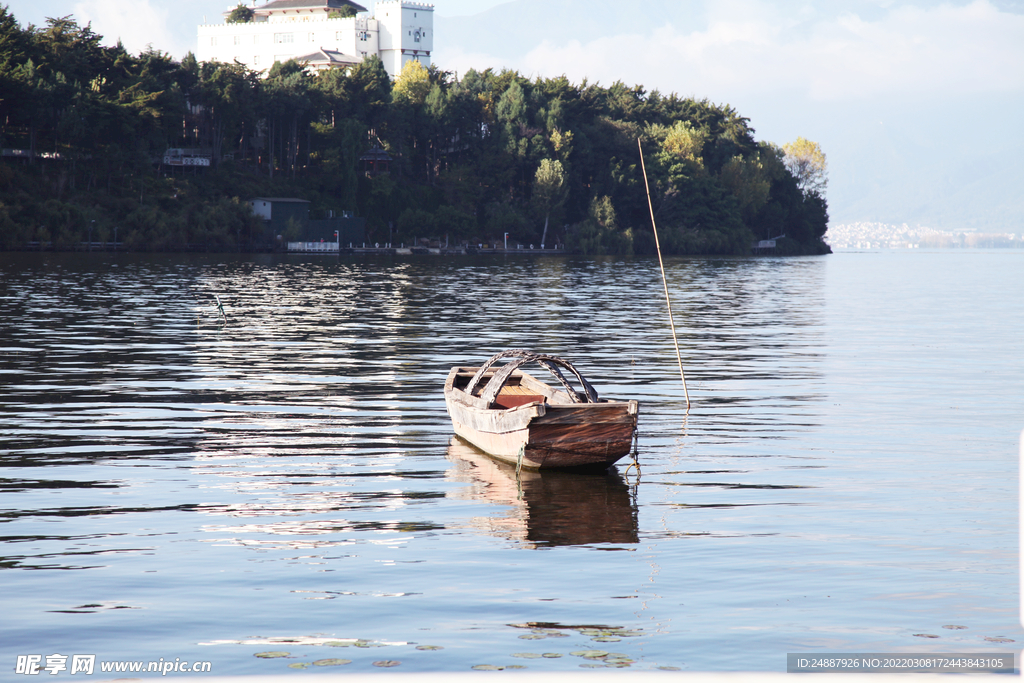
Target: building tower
x=406, y=33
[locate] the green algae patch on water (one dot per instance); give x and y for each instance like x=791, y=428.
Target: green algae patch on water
x=369, y=643
x=387, y=663
x=331, y=662
x=429, y=647
x=272, y=655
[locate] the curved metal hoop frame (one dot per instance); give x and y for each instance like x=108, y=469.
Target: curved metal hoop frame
x=523, y=357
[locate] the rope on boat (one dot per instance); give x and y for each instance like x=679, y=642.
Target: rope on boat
x=636, y=453
x=522, y=357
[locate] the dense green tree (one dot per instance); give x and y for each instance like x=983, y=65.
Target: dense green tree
x=343, y=13
x=241, y=14
x=807, y=163
x=549, y=190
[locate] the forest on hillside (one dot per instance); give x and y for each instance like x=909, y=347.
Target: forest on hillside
x=472, y=157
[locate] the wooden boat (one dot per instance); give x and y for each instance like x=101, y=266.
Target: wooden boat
x=516, y=418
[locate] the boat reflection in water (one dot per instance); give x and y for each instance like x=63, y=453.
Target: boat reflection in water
x=548, y=507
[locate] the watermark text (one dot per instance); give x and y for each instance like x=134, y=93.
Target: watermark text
x=33, y=665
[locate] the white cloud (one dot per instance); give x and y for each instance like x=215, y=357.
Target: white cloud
x=945, y=50
x=138, y=25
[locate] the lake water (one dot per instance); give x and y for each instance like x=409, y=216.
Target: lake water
x=181, y=484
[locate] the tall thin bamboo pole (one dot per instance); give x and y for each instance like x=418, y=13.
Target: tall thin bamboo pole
x=664, y=281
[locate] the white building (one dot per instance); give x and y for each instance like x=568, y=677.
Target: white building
x=400, y=31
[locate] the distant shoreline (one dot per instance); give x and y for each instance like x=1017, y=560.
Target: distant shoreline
x=869, y=235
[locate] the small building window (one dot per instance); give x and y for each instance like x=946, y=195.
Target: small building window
x=238, y=40
x=284, y=37
x=213, y=42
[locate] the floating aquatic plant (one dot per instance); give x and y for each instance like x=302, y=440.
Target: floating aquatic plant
x=331, y=662
x=369, y=643
x=924, y=635
x=954, y=627
x=271, y=655
x=487, y=667
x=299, y=665
x=527, y=655
x=387, y=663
x=429, y=647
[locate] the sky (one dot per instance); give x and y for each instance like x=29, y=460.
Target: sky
x=916, y=103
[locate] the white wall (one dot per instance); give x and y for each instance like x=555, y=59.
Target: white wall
x=406, y=32
x=261, y=208
x=259, y=44
x=401, y=31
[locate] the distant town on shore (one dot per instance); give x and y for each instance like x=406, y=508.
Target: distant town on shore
x=868, y=235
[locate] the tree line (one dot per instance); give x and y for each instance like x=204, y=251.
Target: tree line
x=473, y=158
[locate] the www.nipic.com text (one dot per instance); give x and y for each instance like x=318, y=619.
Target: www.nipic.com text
x=86, y=664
